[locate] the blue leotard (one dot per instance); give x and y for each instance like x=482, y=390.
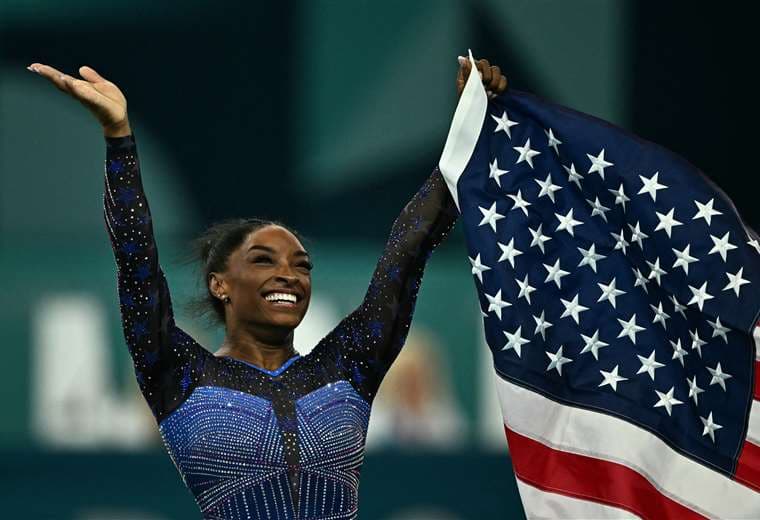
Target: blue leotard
x=249, y=442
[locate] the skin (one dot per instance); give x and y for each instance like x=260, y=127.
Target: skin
x=257, y=331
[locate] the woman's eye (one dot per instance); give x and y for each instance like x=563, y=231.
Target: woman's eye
x=306, y=265
x=262, y=259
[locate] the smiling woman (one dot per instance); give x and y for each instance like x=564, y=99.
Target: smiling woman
x=256, y=430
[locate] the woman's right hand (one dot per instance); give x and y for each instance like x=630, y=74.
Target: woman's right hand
x=100, y=96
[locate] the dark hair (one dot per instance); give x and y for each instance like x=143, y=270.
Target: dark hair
x=212, y=248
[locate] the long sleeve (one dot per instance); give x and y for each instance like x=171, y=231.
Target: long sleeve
x=367, y=341
x=167, y=361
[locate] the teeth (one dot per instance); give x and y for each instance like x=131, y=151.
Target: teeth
x=281, y=297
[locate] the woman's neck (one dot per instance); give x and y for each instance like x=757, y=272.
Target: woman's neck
x=268, y=353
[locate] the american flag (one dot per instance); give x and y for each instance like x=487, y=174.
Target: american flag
x=620, y=293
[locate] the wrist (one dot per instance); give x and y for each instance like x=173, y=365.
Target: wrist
x=120, y=129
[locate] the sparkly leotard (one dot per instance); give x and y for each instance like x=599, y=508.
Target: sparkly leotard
x=249, y=442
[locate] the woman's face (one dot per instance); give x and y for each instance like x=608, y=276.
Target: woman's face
x=264, y=275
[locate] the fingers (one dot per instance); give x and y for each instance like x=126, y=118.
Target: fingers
x=495, y=78
x=90, y=74
x=502, y=85
x=55, y=76
x=485, y=71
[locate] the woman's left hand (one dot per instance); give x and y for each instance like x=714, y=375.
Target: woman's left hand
x=493, y=80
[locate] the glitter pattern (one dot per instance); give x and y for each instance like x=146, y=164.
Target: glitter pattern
x=253, y=443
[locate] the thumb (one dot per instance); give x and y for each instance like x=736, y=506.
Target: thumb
x=90, y=74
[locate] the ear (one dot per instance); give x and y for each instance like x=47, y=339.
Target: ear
x=216, y=283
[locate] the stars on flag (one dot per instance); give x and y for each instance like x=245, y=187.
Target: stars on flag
x=598, y=163
x=658, y=229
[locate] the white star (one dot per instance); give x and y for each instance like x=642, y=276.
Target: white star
x=598, y=164
x=678, y=307
x=526, y=153
x=694, y=390
x=678, y=351
x=629, y=328
x=503, y=123
x=667, y=400
x=547, y=187
x=683, y=259
x=697, y=342
x=572, y=175
x=700, y=295
x=590, y=257
x=719, y=329
x=572, y=308
x=753, y=242
x=555, y=274
x=593, y=344
x=495, y=303
x=649, y=365
x=515, y=341
x=557, y=360
x=640, y=280
x=525, y=289
x=478, y=268
x=705, y=211
x=721, y=246
x=490, y=216
x=553, y=141
x=637, y=235
x=609, y=293
x=620, y=242
x=620, y=196
x=509, y=252
x=718, y=376
x=541, y=325
x=710, y=426
x=667, y=221
x=567, y=222
x=612, y=378
x=520, y=203
x=496, y=172
x=539, y=238
x=598, y=209
x=656, y=270
x=660, y=315
x=735, y=281
x=651, y=186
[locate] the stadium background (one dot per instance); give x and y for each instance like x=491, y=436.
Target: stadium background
x=328, y=116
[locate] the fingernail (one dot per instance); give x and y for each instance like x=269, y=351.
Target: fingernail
x=61, y=77
x=32, y=69
x=462, y=60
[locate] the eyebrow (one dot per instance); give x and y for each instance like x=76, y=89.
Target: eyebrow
x=270, y=250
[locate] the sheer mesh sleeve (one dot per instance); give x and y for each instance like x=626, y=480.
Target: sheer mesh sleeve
x=367, y=341
x=167, y=361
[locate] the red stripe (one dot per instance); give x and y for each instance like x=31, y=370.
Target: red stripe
x=757, y=380
x=748, y=466
x=587, y=478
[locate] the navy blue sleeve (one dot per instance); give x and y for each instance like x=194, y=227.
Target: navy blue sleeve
x=367, y=341
x=167, y=361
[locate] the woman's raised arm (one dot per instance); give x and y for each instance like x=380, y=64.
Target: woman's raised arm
x=167, y=361
x=367, y=341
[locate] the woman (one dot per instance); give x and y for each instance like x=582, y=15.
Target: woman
x=256, y=430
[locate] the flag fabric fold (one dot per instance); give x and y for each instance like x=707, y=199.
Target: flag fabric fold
x=620, y=295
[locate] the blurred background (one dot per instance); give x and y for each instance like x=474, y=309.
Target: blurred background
x=327, y=115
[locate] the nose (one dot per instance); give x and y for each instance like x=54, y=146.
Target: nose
x=285, y=273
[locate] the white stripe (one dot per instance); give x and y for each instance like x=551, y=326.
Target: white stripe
x=753, y=429
x=756, y=335
x=576, y=430
x=464, y=131
x=539, y=504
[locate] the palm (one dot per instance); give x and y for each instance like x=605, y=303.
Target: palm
x=102, y=97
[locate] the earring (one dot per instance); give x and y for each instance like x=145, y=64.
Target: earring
x=226, y=299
